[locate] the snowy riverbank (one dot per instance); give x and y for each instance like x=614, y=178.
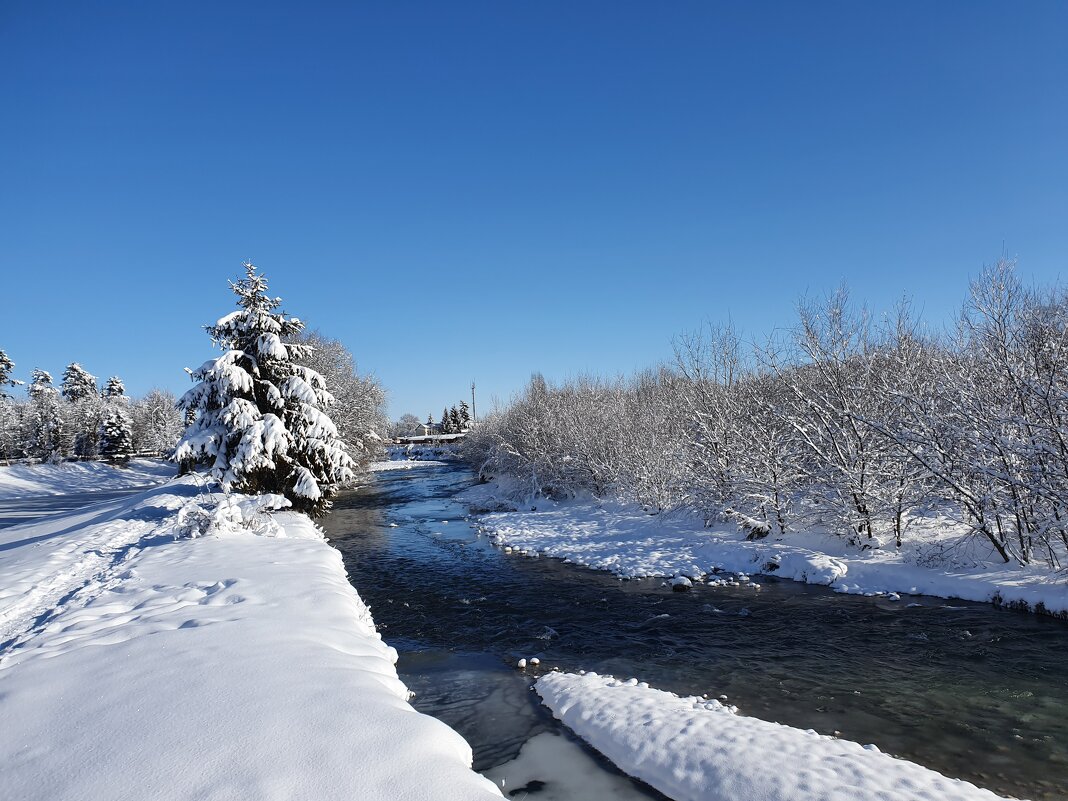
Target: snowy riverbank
x=138, y=660
x=624, y=540
x=695, y=749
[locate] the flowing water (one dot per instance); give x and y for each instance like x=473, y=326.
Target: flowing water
x=969, y=690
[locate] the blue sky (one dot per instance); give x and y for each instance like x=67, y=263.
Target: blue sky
x=469, y=191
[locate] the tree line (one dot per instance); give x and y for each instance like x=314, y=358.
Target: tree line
x=81, y=418
x=858, y=426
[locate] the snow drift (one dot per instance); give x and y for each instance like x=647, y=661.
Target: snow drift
x=694, y=749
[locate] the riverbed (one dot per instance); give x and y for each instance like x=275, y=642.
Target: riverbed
x=966, y=689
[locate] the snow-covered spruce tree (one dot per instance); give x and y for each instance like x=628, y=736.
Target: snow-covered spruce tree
x=44, y=426
x=259, y=421
x=116, y=437
x=6, y=368
x=78, y=383
x=83, y=411
x=114, y=388
x=10, y=412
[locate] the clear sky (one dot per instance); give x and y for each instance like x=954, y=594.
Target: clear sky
x=469, y=191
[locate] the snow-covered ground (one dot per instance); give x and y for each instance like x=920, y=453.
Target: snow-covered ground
x=27, y=481
x=140, y=661
x=401, y=464
x=938, y=559
x=695, y=749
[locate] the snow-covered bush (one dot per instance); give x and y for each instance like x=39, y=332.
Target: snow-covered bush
x=259, y=420
x=217, y=514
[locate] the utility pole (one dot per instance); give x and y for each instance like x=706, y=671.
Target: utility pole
x=474, y=417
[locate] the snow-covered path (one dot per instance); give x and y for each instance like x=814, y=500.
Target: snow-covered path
x=32, y=492
x=239, y=664
x=43, y=567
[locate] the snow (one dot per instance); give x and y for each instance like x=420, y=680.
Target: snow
x=696, y=749
x=939, y=560
x=28, y=481
x=174, y=644
x=409, y=464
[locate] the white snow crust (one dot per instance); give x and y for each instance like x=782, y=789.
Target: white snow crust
x=632, y=543
x=176, y=645
x=30, y=481
x=695, y=749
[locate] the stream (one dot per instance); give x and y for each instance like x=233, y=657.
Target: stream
x=966, y=689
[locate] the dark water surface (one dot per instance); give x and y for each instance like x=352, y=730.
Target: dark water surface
x=969, y=690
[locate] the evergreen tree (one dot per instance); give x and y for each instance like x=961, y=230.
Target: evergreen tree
x=430, y=424
x=78, y=383
x=44, y=435
x=11, y=444
x=454, y=421
x=260, y=424
x=114, y=388
x=446, y=427
x=116, y=438
x=465, y=416
x=83, y=412
x=6, y=368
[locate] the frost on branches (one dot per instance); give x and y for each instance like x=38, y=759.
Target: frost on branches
x=258, y=419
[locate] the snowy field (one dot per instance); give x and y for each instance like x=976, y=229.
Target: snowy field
x=21, y=481
x=695, y=749
x=167, y=646
x=623, y=539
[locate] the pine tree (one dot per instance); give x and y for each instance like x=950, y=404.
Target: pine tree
x=44, y=438
x=465, y=416
x=260, y=424
x=430, y=424
x=78, y=383
x=11, y=444
x=6, y=368
x=454, y=421
x=116, y=438
x=446, y=428
x=114, y=388
x=82, y=412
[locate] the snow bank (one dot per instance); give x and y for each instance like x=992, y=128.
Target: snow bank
x=164, y=646
x=622, y=539
x=694, y=749
x=381, y=467
x=27, y=481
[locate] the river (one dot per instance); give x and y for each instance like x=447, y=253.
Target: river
x=969, y=690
